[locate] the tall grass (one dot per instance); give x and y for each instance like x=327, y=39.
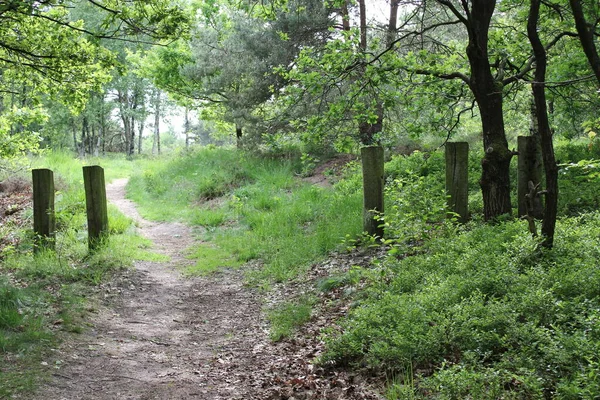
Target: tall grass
x=250, y=207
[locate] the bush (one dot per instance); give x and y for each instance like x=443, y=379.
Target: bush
x=486, y=313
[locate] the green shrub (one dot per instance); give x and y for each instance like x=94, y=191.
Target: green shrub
x=486, y=311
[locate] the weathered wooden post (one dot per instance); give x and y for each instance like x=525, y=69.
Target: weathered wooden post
x=529, y=169
x=457, y=178
x=95, y=200
x=43, y=209
x=372, y=167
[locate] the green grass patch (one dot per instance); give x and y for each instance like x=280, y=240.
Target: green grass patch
x=209, y=218
x=210, y=259
x=285, y=318
x=287, y=229
x=263, y=210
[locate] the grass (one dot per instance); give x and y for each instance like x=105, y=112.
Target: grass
x=210, y=259
x=477, y=310
x=250, y=207
x=286, y=317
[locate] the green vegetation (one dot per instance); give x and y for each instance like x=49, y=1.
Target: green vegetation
x=453, y=311
x=287, y=316
x=480, y=312
x=477, y=311
x=249, y=207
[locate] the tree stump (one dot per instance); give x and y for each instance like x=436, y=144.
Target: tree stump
x=43, y=209
x=96, y=205
x=457, y=179
x=372, y=167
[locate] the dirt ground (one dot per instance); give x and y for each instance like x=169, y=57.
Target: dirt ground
x=159, y=335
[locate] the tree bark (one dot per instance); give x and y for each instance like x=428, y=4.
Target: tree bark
x=131, y=149
x=539, y=95
x=393, y=22
x=363, y=24
x=529, y=169
x=140, y=135
x=123, y=98
x=586, y=37
x=345, y=16
x=238, y=135
x=495, y=178
x=156, y=141
x=187, y=128
x=84, y=137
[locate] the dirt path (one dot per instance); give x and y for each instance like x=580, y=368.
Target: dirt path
x=164, y=336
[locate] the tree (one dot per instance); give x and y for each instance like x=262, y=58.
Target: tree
x=156, y=103
x=539, y=95
x=56, y=49
x=228, y=64
x=586, y=32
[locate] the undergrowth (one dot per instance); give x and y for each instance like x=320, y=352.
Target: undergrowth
x=478, y=311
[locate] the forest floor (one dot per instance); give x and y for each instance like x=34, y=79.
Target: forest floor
x=156, y=334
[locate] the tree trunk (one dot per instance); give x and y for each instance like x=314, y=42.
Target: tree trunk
x=345, y=16
x=586, y=37
x=156, y=141
x=123, y=99
x=539, y=95
x=103, y=125
x=393, y=22
x=74, y=132
x=495, y=178
x=529, y=169
x=140, y=135
x=363, y=24
x=131, y=149
x=457, y=179
x=238, y=135
x=92, y=141
x=187, y=128
x=84, y=137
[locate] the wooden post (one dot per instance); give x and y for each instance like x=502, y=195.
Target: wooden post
x=372, y=167
x=95, y=200
x=457, y=178
x=43, y=209
x=529, y=169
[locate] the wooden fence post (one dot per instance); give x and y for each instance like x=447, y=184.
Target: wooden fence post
x=43, y=209
x=95, y=200
x=372, y=167
x=529, y=168
x=457, y=178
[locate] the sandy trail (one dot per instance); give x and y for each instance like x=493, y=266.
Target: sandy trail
x=164, y=336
